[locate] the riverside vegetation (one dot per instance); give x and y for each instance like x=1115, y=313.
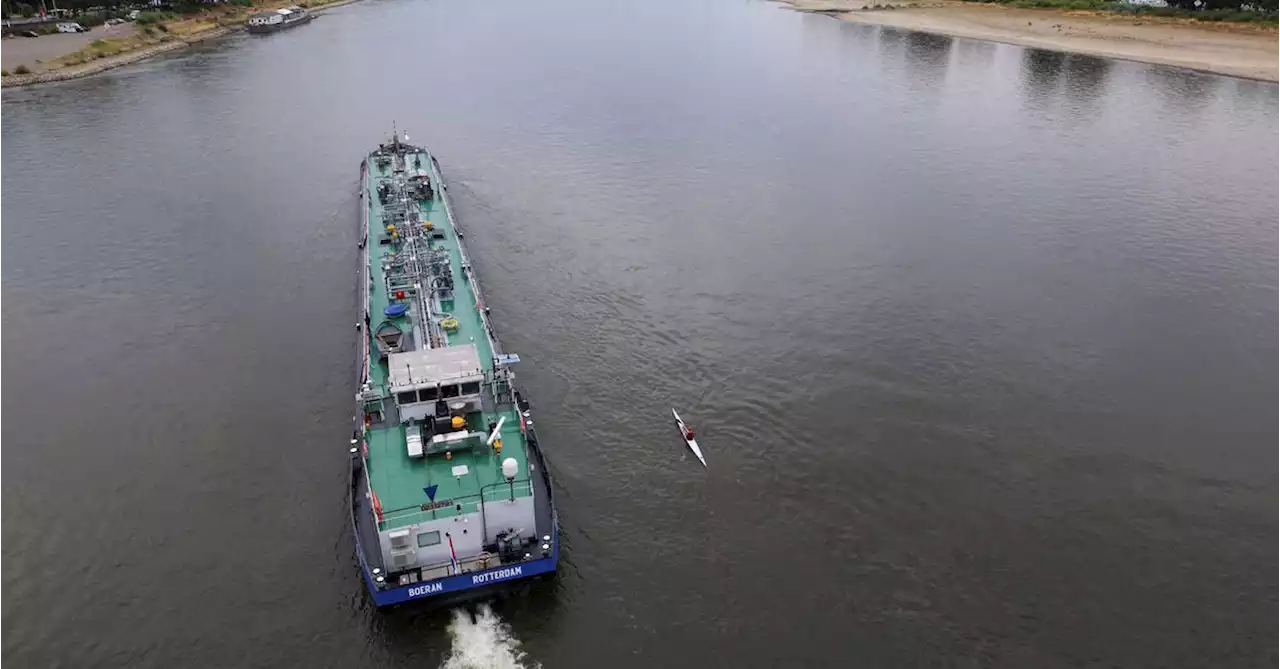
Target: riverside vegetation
x=156, y=32
x=1209, y=10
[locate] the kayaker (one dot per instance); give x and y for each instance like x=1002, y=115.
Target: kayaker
x=688, y=433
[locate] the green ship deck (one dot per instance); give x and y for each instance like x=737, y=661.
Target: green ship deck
x=398, y=479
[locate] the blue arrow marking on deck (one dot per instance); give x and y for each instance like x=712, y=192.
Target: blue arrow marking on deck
x=431, y=492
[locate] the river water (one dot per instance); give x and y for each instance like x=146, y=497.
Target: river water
x=980, y=343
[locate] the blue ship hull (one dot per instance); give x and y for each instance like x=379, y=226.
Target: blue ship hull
x=462, y=587
x=454, y=589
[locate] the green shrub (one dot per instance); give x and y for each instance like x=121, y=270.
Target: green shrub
x=1069, y=5
x=1246, y=16
x=1236, y=15
x=242, y=3
x=149, y=18
x=4, y=73
x=1126, y=8
x=21, y=69
x=1263, y=14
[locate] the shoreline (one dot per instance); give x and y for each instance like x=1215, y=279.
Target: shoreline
x=112, y=62
x=1238, y=51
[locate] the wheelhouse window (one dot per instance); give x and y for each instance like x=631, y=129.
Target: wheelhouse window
x=472, y=388
x=427, y=395
x=428, y=539
x=449, y=391
x=408, y=397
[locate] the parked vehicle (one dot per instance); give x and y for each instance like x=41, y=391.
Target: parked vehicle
x=72, y=28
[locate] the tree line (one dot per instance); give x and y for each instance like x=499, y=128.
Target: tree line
x=1267, y=7
x=1261, y=6
x=32, y=7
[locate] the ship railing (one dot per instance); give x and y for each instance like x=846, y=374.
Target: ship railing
x=466, y=260
x=531, y=438
x=411, y=515
x=465, y=565
x=365, y=204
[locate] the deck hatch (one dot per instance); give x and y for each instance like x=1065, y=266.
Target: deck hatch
x=447, y=366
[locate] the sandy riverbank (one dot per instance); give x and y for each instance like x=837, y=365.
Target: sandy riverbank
x=1241, y=50
x=104, y=64
x=111, y=62
x=198, y=31
x=37, y=54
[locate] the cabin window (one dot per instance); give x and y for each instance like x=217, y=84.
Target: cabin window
x=449, y=391
x=428, y=539
x=472, y=388
x=407, y=397
x=427, y=395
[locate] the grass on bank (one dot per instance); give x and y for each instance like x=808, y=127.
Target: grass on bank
x=159, y=27
x=1111, y=6
x=186, y=21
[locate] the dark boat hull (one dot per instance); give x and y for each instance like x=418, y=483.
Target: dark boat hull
x=277, y=27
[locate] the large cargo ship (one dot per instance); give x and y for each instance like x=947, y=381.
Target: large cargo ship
x=451, y=498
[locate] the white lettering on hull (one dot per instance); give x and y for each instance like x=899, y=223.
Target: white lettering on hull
x=478, y=579
x=496, y=575
x=428, y=589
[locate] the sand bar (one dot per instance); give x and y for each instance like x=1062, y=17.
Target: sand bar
x=1241, y=50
